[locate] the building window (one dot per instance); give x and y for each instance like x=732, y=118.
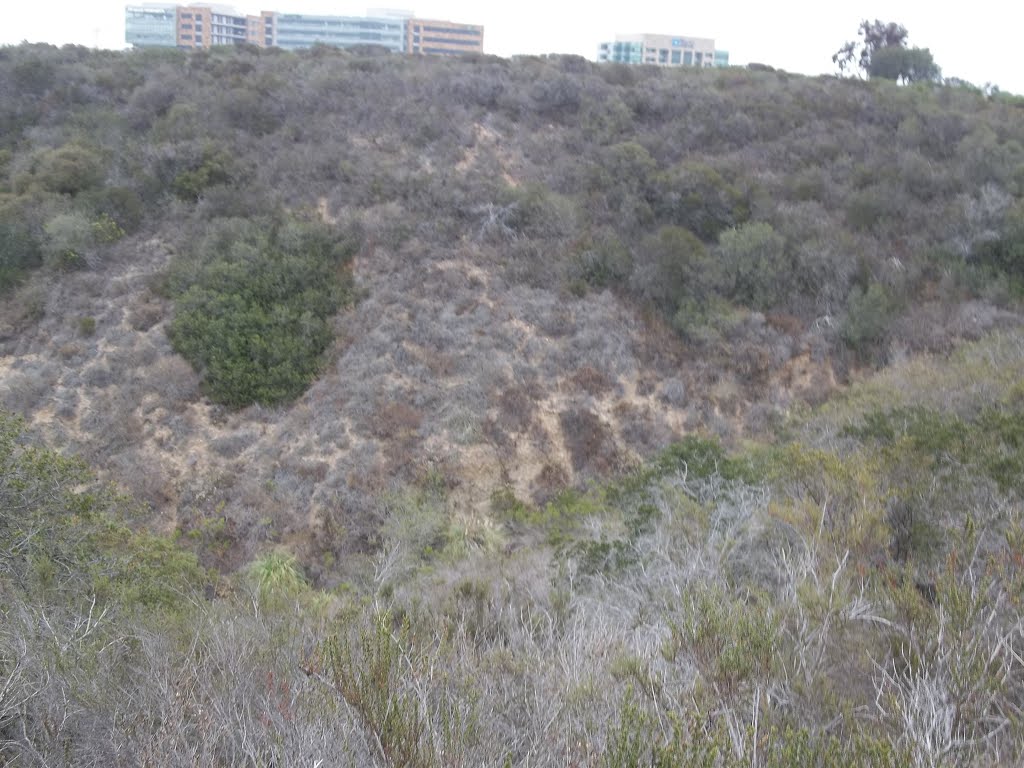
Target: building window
x=687, y=58
x=676, y=57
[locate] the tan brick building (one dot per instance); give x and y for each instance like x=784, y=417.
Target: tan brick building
x=445, y=38
x=203, y=26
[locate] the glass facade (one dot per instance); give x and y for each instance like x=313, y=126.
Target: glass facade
x=303, y=31
x=628, y=53
x=150, y=26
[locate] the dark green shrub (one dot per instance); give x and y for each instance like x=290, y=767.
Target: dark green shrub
x=254, y=319
x=215, y=166
x=673, y=266
x=556, y=96
x=869, y=315
x=756, y=269
x=69, y=238
x=19, y=253
x=70, y=169
x=602, y=260
x=34, y=76
x=705, y=321
x=1006, y=252
x=537, y=212
x=253, y=110
x=697, y=197
x=869, y=207
x=701, y=457
x=119, y=204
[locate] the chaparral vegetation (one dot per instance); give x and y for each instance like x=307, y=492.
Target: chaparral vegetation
x=359, y=409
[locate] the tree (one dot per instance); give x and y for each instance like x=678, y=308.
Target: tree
x=905, y=65
x=876, y=36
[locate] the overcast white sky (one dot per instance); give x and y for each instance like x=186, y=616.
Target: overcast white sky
x=978, y=41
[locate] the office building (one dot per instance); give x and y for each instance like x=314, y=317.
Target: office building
x=189, y=26
x=298, y=30
x=203, y=26
x=444, y=38
x=151, y=25
x=663, y=51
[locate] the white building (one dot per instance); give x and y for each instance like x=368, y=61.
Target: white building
x=664, y=51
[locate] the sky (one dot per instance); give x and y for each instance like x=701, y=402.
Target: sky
x=977, y=42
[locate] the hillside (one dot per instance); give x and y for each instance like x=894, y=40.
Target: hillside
x=561, y=267
x=674, y=415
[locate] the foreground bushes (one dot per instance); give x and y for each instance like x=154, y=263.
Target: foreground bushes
x=63, y=537
x=694, y=613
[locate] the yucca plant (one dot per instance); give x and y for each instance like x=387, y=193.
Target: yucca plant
x=277, y=575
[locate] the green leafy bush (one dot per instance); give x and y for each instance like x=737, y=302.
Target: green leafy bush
x=64, y=536
x=121, y=205
x=69, y=238
x=869, y=315
x=705, y=322
x=697, y=197
x=756, y=268
x=602, y=260
x=673, y=266
x=70, y=170
x=992, y=442
x=254, y=319
x=1005, y=252
x=702, y=457
x=19, y=253
x=368, y=667
x=214, y=166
